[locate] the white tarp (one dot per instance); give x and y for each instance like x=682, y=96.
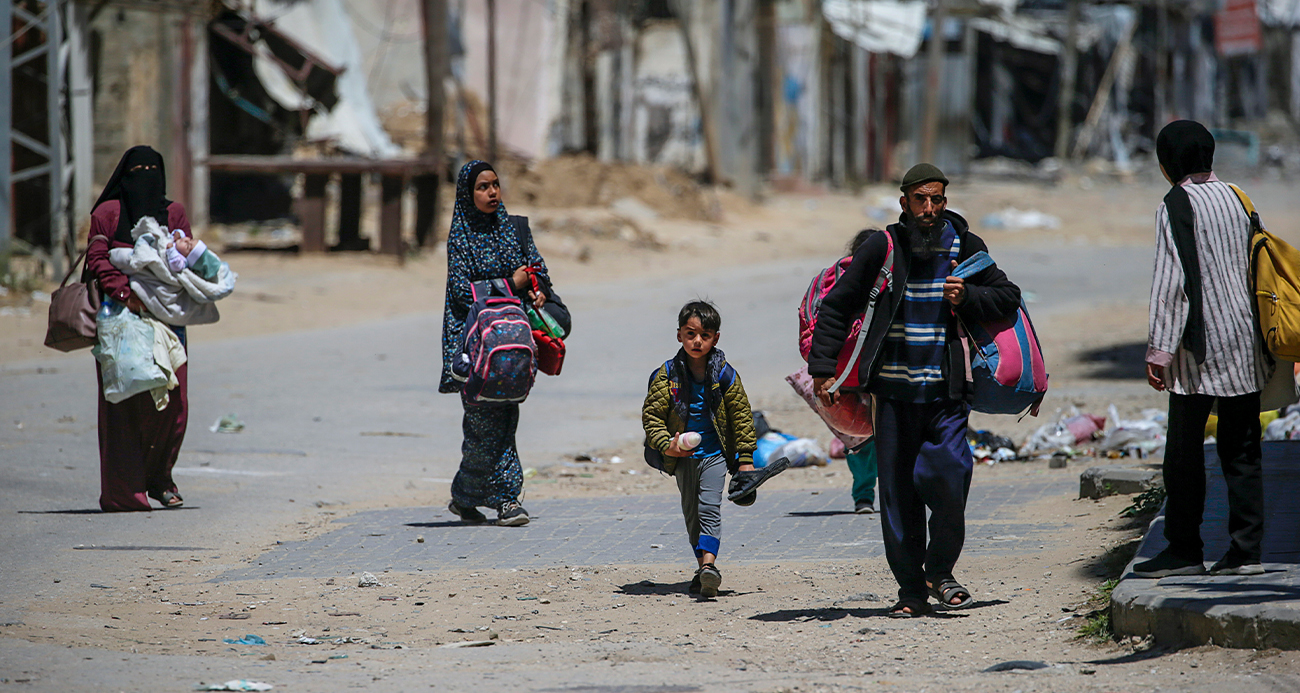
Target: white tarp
x=324, y=28
x=878, y=26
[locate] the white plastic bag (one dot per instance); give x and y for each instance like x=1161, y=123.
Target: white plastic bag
x=125, y=354
x=803, y=452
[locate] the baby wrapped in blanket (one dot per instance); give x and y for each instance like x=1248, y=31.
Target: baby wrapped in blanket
x=177, y=279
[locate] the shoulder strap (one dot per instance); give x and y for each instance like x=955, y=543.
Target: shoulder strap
x=522, y=232
x=973, y=265
x=883, y=281
x=1256, y=224
x=80, y=259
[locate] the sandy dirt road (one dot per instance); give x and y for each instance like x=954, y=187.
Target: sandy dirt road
x=332, y=363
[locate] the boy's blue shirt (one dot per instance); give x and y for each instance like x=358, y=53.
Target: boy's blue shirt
x=701, y=422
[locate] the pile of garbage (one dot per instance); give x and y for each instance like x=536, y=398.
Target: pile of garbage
x=1076, y=434
x=773, y=444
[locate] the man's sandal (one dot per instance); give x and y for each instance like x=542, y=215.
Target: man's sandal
x=919, y=608
x=947, y=590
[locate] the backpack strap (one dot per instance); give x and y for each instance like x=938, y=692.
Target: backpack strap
x=1256, y=224
x=883, y=281
x=973, y=265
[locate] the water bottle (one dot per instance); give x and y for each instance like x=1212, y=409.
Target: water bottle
x=108, y=308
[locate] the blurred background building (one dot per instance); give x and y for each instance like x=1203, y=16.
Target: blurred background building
x=261, y=106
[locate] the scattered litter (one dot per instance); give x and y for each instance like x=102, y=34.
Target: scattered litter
x=274, y=623
x=419, y=539
x=367, y=580
x=1285, y=427
x=616, y=460
x=470, y=643
x=235, y=616
x=530, y=472
x=1013, y=219
x=1135, y=437
x=543, y=601
x=249, y=639
x=342, y=656
x=549, y=627
x=99, y=586
x=236, y=685
x=1017, y=664
x=304, y=640
x=656, y=546
x=524, y=599
x=227, y=424
x=343, y=613
x=802, y=452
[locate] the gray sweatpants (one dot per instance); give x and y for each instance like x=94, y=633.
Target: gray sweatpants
x=701, y=482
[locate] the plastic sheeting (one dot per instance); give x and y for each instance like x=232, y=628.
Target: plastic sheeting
x=878, y=26
x=324, y=28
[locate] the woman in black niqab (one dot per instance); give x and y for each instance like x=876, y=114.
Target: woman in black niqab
x=140, y=184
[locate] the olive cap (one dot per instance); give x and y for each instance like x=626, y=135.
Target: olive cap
x=923, y=173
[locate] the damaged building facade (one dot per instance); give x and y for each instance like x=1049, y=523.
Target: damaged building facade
x=747, y=93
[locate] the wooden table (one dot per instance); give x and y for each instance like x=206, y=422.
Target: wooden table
x=395, y=175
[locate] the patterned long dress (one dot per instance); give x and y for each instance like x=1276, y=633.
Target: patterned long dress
x=481, y=247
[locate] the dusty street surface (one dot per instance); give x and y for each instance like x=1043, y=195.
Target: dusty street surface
x=333, y=362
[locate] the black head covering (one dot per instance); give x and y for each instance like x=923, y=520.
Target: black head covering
x=1185, y=147
x=142, y=193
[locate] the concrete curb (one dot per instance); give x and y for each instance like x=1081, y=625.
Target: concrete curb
x=1241, y=611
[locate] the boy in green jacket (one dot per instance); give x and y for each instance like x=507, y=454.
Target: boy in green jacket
x=696, y=416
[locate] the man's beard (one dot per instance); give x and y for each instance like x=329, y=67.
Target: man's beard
x=924, y=240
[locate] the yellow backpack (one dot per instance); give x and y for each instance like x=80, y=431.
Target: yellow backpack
x=1275, y=271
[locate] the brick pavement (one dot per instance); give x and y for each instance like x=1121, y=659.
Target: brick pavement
x=782, y=525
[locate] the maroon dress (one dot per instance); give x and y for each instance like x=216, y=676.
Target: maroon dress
x=138, y=445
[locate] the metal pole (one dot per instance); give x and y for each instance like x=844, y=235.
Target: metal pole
x=6, y=130
x=54, y=82
x=1069, y=71
x=492, y=78
x=1162, y=65
x=434, y=16
x=80, y=111
x=933, y=81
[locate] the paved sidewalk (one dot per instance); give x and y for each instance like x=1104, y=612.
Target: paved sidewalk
x=1258, y=611
x=782, y=525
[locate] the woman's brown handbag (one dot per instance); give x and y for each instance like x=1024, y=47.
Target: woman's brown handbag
x=72, y=311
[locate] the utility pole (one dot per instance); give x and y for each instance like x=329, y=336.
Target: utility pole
x=933, y=81
x=6, y=133
x=492, y=79
x=433, y=14
x=1069, y=70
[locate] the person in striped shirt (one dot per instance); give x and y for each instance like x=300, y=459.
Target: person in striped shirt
x=1204, y=346
x=914, y=364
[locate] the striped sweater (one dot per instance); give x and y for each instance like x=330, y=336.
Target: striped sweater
x=1235, y=363
x=912, y=357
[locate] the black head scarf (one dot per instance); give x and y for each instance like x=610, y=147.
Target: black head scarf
x=1185, y=147
x=142, y=193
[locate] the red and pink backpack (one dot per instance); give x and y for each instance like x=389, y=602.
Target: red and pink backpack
x=846, y=369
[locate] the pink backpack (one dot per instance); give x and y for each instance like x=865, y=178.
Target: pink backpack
x=812, y=302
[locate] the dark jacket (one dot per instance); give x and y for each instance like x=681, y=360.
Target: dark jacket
x=989, y=296
x=666, y=409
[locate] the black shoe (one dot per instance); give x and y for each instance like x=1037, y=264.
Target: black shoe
x=864, y=507
x=466, y=514
x=746, y=482
x=1232, y=564
x=710, y=579
x=1166, y=564
x=695, y=584
x=512, y=514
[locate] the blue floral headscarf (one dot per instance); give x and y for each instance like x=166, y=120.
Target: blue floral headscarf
x=480, y=246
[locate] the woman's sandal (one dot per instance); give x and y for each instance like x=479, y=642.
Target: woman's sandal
x=169, y=499
x=919, y=608
x=946, y=590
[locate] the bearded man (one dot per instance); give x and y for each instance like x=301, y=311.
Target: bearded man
x=914, y=365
